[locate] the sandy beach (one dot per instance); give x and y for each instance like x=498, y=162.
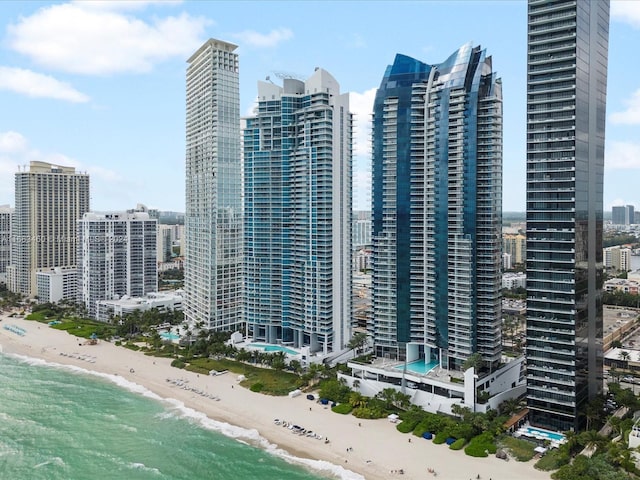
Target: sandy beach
x=370, y=449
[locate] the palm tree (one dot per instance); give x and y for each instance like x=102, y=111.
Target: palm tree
x=615, y=375
x=592, y=412
x=459, y=410
x=356, y=399
x=616, y=423
x=243, y=355
x=624, y=356
x=358, y=340
x=474, y=360
x=509, y=406
x=591, y=440
x=571, y=444
x=295, y=365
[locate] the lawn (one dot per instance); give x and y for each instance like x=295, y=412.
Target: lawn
x=273, y=382
x=79, y=327
x=521, y=450
x=552, y=460
x=85, y=328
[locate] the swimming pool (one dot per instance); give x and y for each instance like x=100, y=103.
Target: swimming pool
x=533, y=431
x=169, y=336
x=273, y=348
x=419, y=366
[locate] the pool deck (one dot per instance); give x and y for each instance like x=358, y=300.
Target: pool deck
x=540, y=434
x=261, y=346
x=436, y=372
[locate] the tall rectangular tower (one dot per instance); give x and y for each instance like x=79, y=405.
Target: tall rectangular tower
x=566, y=93
x=213, y=219
x=6, y=217
x=49, y=201
x=437, y=210
x=624, y=215
x=297, y=154
x=116, y=257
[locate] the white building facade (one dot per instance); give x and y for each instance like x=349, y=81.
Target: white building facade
x=618, y=258
x=49, y=201
x=163, y=301
x=116, y=257
x=6, y=216
x=514, y=280
x=213, y=218
x=298, y=218
x=165, y=243
x=57, y=283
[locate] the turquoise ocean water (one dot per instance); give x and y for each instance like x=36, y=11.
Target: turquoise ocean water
x=61, y=423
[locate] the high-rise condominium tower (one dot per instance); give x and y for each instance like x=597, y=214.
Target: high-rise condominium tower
x=49, y=201
x=297, y=158
x=566, y=93
x=213, y=219
x=624, y=215
x=6, y=217
x=437, y=210
x=116, y=257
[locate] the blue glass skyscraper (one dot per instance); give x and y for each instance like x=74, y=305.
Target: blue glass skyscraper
x=297, y=170
x=437, y=210
x=567, y=50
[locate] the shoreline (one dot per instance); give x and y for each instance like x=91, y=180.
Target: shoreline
x=358, y=449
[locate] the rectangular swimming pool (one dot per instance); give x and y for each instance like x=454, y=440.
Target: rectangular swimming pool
x=273, y=348
x=533, y=431
x=169, y=336
x=419, y=366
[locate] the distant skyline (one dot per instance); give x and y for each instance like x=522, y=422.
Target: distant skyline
x=100, y=85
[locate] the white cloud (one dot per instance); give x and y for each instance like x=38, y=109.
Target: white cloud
x=617, y=202
x=261, y=40
x=622, y=155
x=124, y=4
x=16, y=152
x=38, y=85
x=626, y=11
x=79, y=38
x=102, y=173
x=631, y=116
x=12, y=142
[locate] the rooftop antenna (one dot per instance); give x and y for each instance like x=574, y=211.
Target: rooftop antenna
x=288, y=75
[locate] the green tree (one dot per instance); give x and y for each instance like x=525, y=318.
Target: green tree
x=356, y=399
x=358, y=341
x=624, y=356
x=474, y=360
x=509, y=406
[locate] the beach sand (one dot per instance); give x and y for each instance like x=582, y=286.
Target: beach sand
x=373, y=449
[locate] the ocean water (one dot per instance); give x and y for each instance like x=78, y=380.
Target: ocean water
x=69, y=424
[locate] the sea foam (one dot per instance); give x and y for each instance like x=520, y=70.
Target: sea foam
x=251, y=436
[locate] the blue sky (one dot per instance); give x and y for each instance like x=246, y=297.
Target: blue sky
x=101, y=85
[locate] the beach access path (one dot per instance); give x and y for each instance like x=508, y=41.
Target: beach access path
x=373, y=449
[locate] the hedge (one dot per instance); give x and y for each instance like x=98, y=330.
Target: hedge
x=440, y=438
x=404, y=427
x=458, y=444
x=481, y=446
x=342, y=408
x=178, y=363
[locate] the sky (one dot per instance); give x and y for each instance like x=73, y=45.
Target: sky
x=100, y=85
